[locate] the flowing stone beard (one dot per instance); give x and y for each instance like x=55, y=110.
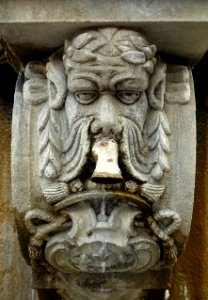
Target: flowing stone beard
x=78, y=139
x=133, y=145
x=76, y=143
x=106, y=100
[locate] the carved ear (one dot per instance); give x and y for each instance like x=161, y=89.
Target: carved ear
x=67, y=44
x=57, y=87
x=178, y=89
x=35, y=85
x=156, y=89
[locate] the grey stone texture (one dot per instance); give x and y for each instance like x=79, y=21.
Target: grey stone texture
x=63, y=190
x=176, y=27
x=103, y=162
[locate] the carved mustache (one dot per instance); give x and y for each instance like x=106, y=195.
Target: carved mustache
x=132, y=150
x=77, y=148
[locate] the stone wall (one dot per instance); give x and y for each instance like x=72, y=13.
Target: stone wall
x=190, y=276
x=14, y=274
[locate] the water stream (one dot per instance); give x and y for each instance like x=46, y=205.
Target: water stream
x=34, y=294
x=103, y=266
x=103, y=218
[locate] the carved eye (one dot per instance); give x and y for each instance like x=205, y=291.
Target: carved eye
x=86, y=97
x=128, y=97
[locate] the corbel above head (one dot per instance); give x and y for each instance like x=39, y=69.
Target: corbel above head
x=178, y=28
x=103, y=161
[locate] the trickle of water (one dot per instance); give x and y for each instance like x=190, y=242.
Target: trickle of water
x=102, y=217
x=167, y=295
x=33, y=294
x=103, y=204
x=103, y=266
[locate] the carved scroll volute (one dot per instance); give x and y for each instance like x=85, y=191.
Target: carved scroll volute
x=98, y=151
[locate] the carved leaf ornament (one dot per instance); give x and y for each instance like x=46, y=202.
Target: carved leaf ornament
x=48, y=84
x=76, y=222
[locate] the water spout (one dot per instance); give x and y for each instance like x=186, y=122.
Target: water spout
x=105, y=153
x=103, y=266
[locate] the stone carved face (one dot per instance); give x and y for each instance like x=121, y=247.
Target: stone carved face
x=108, y=74
x=110, y=94
x=103, y=123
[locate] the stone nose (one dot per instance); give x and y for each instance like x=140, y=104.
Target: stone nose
x=106, y=121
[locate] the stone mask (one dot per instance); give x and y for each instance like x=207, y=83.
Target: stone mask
x=100, y=142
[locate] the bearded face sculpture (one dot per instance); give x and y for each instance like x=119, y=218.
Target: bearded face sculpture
x=101, y=137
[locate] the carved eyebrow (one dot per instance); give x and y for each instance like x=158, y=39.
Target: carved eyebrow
x=86, y=76
x=122, y=79
x=81, y=84
x=83, y=80
x=129, y=84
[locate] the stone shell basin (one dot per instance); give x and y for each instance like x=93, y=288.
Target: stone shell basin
x=101, y=243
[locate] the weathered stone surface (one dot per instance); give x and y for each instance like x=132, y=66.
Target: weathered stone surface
x=190, y=273
x=177, y=27
x=105, y=183
x=13, y=269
